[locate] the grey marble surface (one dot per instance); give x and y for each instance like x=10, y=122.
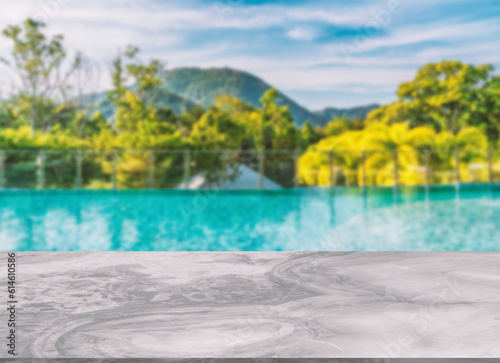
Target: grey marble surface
x=262, y=360
x=258, y=305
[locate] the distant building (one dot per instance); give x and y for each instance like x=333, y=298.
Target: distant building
x=245, y=179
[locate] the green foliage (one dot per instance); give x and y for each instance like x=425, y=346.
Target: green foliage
x=354, y=113
x=448, y=106
x=22, y=139
x=368, y=156
x=339, y=125
x=309, y=134
x=216, y=130
x=203, y=86
x=271, y=123
x=449, y=96
x=38, y=63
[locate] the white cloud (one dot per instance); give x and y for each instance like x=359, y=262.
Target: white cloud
x=435, y=32
x=336, y=78
x=303, y=33
x=165, y=30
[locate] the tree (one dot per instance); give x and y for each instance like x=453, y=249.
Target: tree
x=314, y=167
x=216, y=130
x=139, y=124
x=186, y=121
x=8, y=115
x=338, y=126
x=309, y=134
x=380, y=143
x=134, y=104
x=448, y=96
x=38, y=62
x=86, y=127
x=486, y=111
x=272, y=124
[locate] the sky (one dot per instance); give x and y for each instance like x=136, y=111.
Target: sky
x=319, y=52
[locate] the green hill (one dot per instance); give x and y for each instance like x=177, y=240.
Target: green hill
x=202, y=86
x=164, y=99
x=184, y=88
x=360, y=112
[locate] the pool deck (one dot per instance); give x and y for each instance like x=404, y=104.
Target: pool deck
x=257, y=305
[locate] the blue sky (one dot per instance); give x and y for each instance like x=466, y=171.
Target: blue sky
x=321, y=53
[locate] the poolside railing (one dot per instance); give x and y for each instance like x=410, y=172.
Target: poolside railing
x=251, y=169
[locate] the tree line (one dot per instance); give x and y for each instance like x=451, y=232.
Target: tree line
x=448, y=106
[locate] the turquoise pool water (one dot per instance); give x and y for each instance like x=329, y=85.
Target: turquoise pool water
x=289, y=220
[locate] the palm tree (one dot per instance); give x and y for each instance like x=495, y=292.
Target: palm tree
x=397, y=154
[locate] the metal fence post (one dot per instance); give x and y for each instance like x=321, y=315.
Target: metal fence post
x=347, y=172
x=115, y=170
x=226, y=171
x=262, y=157
x=40, y=174
x=296, y=158
x=363, y=161
x=490, y=167
x=79, y=166
x=457, y=168
x=187, y=168
x=333, y=178
x=2, y=169
x=151, y=169
x=396, y=169
x=427, y=170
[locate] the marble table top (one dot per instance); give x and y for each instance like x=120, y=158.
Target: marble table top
x=255, y=360
x=257, y=305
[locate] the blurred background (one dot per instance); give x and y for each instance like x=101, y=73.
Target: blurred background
x=247, y=95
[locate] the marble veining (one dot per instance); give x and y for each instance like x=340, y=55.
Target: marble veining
x=186, y=305
x=256, y=360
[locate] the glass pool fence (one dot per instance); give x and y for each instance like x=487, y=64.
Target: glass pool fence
x=243, y=170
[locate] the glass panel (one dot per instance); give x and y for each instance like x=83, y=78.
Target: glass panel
x=20, y=169
x=442, y=167
x=241, y=169
x=313, y=169
x=412, y=167
x=172, y=168
x=279, y=169
x=379, y=168
x=245, y=170
x=97, y=170
x=132, y=170
x=207, y=170
x=474, y=167
x=60, y=169
x=495, y=166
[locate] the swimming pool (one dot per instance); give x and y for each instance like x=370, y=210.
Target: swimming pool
x=342, y=219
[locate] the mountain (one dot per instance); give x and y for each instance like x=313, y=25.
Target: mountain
x=360, y=112
x=183, y=88
x=202, y=86
x=164, y=99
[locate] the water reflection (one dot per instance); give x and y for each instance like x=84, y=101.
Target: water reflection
x=330, y=219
